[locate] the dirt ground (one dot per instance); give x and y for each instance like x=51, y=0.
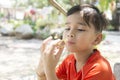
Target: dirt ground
x=19, y=58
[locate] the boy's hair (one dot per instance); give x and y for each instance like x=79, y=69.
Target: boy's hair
x=91, y=15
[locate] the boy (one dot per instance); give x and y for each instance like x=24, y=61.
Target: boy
x=83, y=31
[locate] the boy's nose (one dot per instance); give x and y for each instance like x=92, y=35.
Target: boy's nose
x=70, y=35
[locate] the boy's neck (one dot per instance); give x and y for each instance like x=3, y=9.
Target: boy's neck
x=81, y=59
x=83, y=56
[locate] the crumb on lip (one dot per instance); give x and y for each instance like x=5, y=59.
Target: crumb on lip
x=65, y=40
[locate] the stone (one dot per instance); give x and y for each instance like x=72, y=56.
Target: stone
x=42, y=34
x=117, y=71
x=7, y=30
x=24, y=31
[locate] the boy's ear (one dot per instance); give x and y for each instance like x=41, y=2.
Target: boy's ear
x=98, y=39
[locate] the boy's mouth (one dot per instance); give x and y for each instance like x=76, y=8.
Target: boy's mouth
x=70, y=42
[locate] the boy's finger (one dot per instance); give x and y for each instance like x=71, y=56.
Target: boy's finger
x=45, y=42
x=56, y=44
x=57, y=56
x=61, y=43
x=60, y=49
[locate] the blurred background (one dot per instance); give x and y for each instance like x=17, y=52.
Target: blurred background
x=24, y=24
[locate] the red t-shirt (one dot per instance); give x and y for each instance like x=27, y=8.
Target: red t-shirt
x=96, y=68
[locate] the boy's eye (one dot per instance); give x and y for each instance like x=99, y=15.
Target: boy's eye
x=80, y=29
x=67, y=29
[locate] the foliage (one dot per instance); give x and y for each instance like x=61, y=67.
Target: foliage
x=40, y=24
x=1, y=15
x=104, y=4
x=110, y=27
x=34, y=3
x=16, y=23
x=44, y=33
x=104, y=36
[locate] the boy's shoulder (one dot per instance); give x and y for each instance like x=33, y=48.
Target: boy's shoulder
x=97, y=64
x=96, y=57
x=97, y=61
x=69, y=58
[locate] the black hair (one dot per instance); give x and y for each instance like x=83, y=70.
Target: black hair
x=91, y=14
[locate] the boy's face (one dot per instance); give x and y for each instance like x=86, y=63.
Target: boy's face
x=77, y=35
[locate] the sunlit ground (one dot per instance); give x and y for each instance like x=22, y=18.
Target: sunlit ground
x=19, y=58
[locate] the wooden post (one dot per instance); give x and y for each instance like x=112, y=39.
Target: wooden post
x=58, y=6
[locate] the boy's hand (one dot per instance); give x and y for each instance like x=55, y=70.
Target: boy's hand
x=40, y=69
x=50, y=54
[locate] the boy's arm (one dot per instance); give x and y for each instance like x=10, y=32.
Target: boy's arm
x=51, y=75
x=40, y=71
x=41, y=77
x=41, y=74
x=49, y=58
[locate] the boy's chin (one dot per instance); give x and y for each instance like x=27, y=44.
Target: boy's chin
x=71, y=50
